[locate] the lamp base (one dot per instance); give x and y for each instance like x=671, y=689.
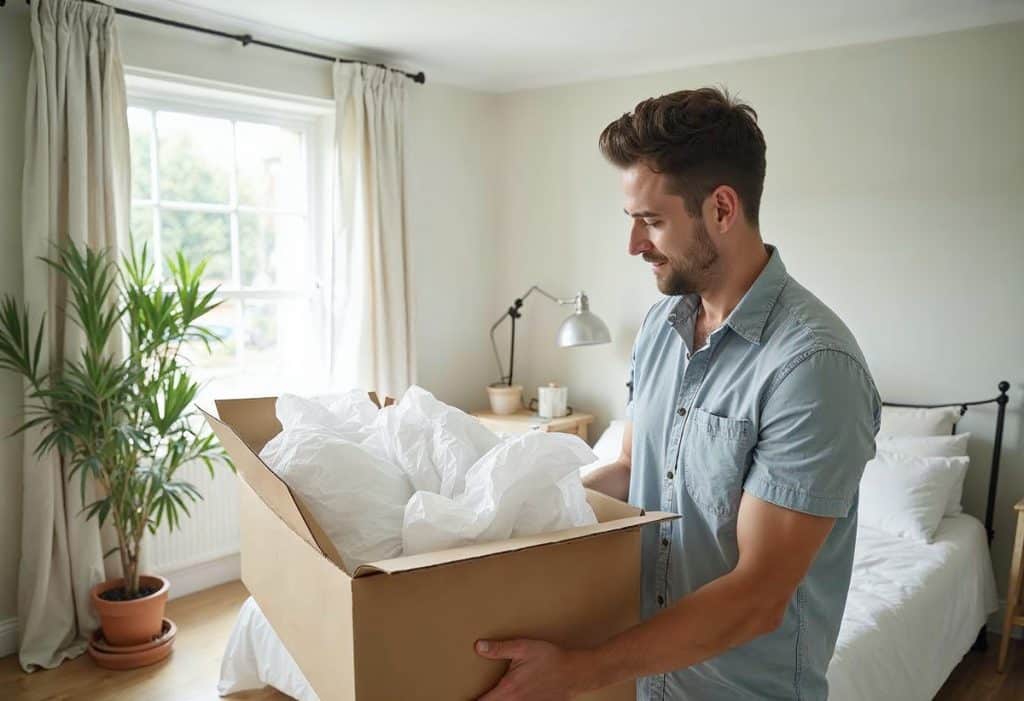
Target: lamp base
x=505, y=399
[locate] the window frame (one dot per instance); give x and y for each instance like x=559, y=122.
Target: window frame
x=313, y=120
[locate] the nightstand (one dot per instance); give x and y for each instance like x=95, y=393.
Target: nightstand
x=1014, y=598
x=523, y=421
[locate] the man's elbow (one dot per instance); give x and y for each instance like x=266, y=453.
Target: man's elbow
x=769, y=617
x=626, y=460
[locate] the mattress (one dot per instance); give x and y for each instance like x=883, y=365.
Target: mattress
x=912, y=613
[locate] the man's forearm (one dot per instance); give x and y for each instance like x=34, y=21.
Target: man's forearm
x=611, y=479
x=720, y=615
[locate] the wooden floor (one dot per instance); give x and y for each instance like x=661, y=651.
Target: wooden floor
x=190, y=674
x=204, y=622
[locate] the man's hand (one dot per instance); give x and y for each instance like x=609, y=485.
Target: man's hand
x=537, y=671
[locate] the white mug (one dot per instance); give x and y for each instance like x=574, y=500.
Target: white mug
x=552, y=401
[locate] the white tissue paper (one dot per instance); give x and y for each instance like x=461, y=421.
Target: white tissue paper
x=357, y=497
x=420, y=475
x=435, y=444
x=515, y=489
x=349, y=414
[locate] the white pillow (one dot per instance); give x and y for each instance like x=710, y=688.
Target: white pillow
x=900, y=421
x=933, y=447
x=907, y=496
x=927, y=446
x=608, y=447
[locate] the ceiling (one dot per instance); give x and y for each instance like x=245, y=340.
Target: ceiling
x=501, y=46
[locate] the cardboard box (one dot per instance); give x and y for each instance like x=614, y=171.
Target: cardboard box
x=404, y=628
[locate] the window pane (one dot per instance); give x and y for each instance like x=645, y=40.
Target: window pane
x=261, y=337
x=141, y=135
x=272, y=250
x=270, y=167
x=224, y=321
x=200, y=236
x=195, y=158
x=142, y=227
x=277, y=337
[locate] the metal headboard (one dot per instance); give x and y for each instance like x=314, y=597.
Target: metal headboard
x=997, y=446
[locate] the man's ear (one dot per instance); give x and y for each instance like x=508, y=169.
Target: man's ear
x=723, y=209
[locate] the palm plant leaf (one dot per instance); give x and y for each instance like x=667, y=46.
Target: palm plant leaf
x=119, y=410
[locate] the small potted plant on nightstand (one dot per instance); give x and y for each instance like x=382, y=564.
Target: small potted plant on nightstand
x=119, y=413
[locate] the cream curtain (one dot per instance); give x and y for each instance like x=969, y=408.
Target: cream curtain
x=76, y=185
x=371, y=342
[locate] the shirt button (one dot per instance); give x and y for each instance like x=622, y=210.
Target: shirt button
x=661, y=600
x=670, y=474
x=664, y=541
x=681, y=411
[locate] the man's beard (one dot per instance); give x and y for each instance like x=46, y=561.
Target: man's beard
x=689, y=274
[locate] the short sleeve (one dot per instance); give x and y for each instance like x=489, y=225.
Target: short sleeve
x=817, y=431
x=630, y=379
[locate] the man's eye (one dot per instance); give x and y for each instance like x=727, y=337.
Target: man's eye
x=651, y=222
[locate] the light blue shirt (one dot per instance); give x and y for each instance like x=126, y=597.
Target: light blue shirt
x=778, y=403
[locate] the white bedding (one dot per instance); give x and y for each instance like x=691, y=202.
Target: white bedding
x=913, y=611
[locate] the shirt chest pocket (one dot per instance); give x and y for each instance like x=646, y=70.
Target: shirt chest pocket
x=716, y=452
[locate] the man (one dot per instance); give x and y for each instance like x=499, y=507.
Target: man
x=752, y=415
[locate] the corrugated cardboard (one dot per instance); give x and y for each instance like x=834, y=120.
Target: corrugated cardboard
x=404, y=628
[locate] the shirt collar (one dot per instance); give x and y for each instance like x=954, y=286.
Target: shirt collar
x=749, y=317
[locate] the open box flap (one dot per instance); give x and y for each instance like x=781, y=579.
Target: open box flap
x=608, y=508
x=408, y=563
x=250, y=416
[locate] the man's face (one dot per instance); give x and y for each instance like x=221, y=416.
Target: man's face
x=676, y=244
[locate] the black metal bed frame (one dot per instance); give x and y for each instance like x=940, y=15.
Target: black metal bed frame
x=993, y=477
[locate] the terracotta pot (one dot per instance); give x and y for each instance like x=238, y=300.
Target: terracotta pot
x=132, y=622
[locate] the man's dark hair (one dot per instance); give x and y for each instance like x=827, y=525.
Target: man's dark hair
x=701, y=139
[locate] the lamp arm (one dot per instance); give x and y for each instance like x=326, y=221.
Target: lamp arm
x=494, y=344
x=550, y=296
x=513, y=313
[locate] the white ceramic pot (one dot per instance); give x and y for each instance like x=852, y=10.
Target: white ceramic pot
x=552, y=401
x=505, y=399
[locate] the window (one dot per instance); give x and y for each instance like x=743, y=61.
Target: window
x=236, y=183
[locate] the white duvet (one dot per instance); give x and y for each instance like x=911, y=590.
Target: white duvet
x=913, y=611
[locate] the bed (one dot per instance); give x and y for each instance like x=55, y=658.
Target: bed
x=914, y=609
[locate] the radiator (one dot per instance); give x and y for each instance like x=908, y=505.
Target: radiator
x=210, y=534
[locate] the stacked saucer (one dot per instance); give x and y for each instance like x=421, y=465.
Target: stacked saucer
x=131, y=656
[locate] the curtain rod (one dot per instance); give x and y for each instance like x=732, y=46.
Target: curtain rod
x=246, y=39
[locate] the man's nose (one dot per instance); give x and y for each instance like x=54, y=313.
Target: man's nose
x=638, y=241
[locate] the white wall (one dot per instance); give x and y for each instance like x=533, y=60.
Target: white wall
x=450, y=229
x=13, y=78
x=450, y=164
x=894, y=190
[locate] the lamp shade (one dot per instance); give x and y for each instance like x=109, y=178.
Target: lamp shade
x=583, y=328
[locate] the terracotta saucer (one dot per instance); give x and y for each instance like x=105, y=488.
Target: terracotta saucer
x=98, y=642
x=132, y=656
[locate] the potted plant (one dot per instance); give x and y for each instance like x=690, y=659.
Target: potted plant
x=119, y=413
